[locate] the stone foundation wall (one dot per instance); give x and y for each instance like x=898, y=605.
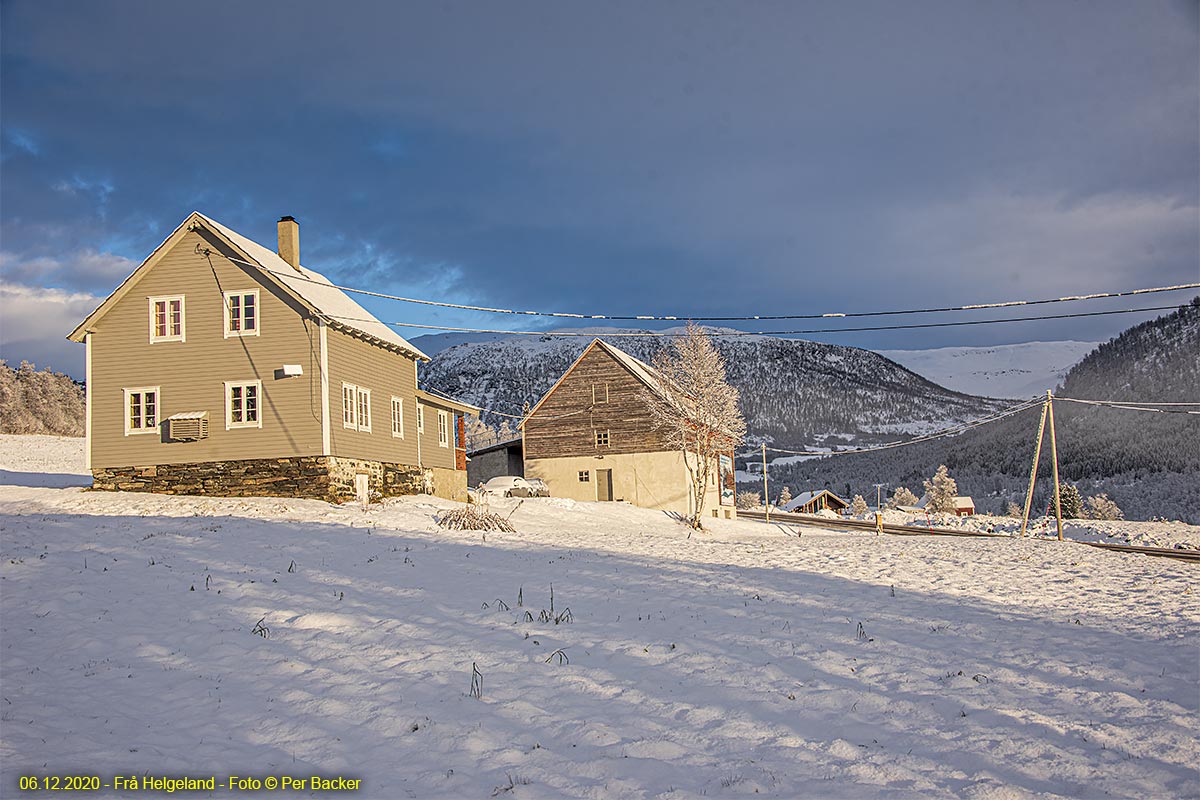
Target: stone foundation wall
x=318, y=477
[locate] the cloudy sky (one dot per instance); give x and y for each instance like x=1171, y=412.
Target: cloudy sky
x=645, y=158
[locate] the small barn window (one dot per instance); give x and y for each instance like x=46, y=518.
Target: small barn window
x=584, y=476
x=599, y=393
x=601, y=438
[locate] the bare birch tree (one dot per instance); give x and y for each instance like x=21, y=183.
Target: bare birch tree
x=696, y=409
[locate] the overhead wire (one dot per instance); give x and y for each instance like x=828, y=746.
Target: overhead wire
x=952, y=431
x=746, y=318
x=728, y=334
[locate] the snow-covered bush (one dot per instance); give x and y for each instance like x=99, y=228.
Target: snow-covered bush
x=785, y=497
x=941, y=491
x=749, y=500
x=858, y=506
x=1013, y=510
x=902, y=497
x=1101, y=507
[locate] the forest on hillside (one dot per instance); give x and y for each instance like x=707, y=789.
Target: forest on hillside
x=1149, y=463
x=40, y=401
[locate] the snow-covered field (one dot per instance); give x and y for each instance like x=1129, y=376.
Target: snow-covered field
x=744, y=660
x=1166, y=533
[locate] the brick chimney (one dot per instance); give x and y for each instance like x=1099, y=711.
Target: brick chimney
x=289, y=241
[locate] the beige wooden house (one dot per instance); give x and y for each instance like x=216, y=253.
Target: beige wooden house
x=591, y=437
x=223, y=367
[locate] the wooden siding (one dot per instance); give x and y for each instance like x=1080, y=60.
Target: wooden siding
x=624, y=417
x=192, y=373
x=386, y=374
x=433, y=454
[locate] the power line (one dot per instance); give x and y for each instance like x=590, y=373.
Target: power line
x=755, y=317
x=654, y=334
x=1133, y=405
x=957, y=429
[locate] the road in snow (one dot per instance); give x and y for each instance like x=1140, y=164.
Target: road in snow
x=738, y=661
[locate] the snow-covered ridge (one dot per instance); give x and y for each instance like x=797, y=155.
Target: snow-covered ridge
x=1009, y=370
x=794, y=392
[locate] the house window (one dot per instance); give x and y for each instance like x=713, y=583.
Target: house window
x=241, y=313
x=584, y=476
x=364, y=409
x=599, y=393
x=601, y=438
x=420, y=418
x=356, y=408
x=443, y=429
x=141, y=410
x=166, y=319
x=397, y=418
x=243, y=404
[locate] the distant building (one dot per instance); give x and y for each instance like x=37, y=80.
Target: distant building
x=812, y=502
x=220, y=366
x=591, y=437
x=963, y=506
x=502, y=458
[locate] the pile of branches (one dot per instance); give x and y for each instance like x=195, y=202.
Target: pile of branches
x=473, y=518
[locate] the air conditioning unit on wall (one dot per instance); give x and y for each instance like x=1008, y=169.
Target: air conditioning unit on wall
x=188, y=426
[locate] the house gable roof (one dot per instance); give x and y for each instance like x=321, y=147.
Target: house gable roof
x=312, y=289
x=804, y=498
x=645, y=373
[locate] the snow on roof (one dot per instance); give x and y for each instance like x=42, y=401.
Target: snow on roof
x=316, y=290
x=804, y=498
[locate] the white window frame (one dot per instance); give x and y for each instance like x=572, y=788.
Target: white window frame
x=349, y=406
x=154, y=301
x=585, y=476
x=258, y=404
x=607, y=438
x=142, y=390
x=443, y=428
x=356, y=400
x=397, y=417
x=420, y=417
x=229, y=331
x=364, y=410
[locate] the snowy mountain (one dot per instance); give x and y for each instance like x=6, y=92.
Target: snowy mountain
x=1149, y=463
x=1009, y=370
x=794, y=393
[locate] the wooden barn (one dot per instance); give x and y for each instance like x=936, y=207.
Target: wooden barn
x=591, y=437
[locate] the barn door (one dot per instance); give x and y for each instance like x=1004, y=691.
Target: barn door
x=604, y=484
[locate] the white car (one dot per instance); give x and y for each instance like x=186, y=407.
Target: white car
x=539, y=487
x=507, y=486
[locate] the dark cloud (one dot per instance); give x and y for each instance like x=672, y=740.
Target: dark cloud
x=683, y=158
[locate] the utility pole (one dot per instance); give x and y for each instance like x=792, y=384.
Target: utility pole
x=1037, y=454
x=1054, y=458
x=879, y=508
x=766, y=497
